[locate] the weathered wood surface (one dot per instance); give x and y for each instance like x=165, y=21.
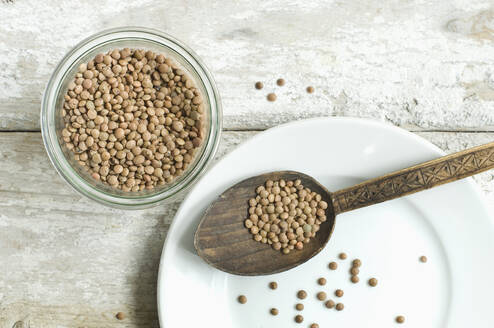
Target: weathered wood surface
x=418, y=64
x=68, y=262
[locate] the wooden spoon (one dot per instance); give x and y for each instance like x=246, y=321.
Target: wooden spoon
x=222, y=240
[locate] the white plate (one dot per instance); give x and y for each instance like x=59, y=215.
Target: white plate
x=449, y=224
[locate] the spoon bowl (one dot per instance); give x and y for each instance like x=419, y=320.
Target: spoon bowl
x=224, y=242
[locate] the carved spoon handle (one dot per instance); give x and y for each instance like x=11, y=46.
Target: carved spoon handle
x=416, y=178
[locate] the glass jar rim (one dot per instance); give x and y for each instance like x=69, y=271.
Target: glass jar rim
x=49, y=112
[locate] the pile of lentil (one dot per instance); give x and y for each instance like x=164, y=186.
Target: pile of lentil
x=133, y=119
x=285, y=215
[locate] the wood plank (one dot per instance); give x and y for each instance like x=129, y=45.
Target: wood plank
x=68, y=262
x=419, y=65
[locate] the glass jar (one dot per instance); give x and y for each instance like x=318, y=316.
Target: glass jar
x=52, y=121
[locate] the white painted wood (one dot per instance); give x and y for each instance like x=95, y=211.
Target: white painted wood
x=420, y=64
x=68, y=262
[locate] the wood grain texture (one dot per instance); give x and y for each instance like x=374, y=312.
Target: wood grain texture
x=416, y=178
x=68, y=262
x=223, y=241
x=417, y=64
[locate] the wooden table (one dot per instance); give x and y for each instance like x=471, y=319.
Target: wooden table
x=427, y=66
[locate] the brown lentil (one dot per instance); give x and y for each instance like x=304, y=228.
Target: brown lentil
x=310, y=89
x=400, y=319
x=120, y=316
x=354, y=271
x=423, y=259
x=280, y=82
x=271, y=96
x=314, y=325
x=339, y=307
x=123, y=104
x=329, y=304
x=321, y=296
x=259, y=85
x=274, y=311
x=321, y=281
x=302, y=294
x=287, y=212
x=333, y=265
x=273, y=285
x=299, y=306
x=342, y=256
x=373, y=282
x=299, y=318
x=354, y=279
x=338, y=293
x=242, y=299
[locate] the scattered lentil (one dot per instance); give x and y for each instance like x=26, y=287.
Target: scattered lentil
x=338, y=293
x=321, y=281
x=355, y=279
x=271, y=96
x=280, y=82
x=400, y=319
x=259, y=85
x=133, y=119
x=302, y=294
x=299, y=306
x=329, y=304
x=314, y=325
x=242, y=299
x=342, y=256
x=373, y=282
x=285, y=215
x=354, y=271
x=356, y=263
x=423, y=259
x=274, y=311
x=120, y=316
x=310, y=89
x=273, y=285
x=299, y=318
x=321, y=296
x=333, y=265
x=340, y=307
